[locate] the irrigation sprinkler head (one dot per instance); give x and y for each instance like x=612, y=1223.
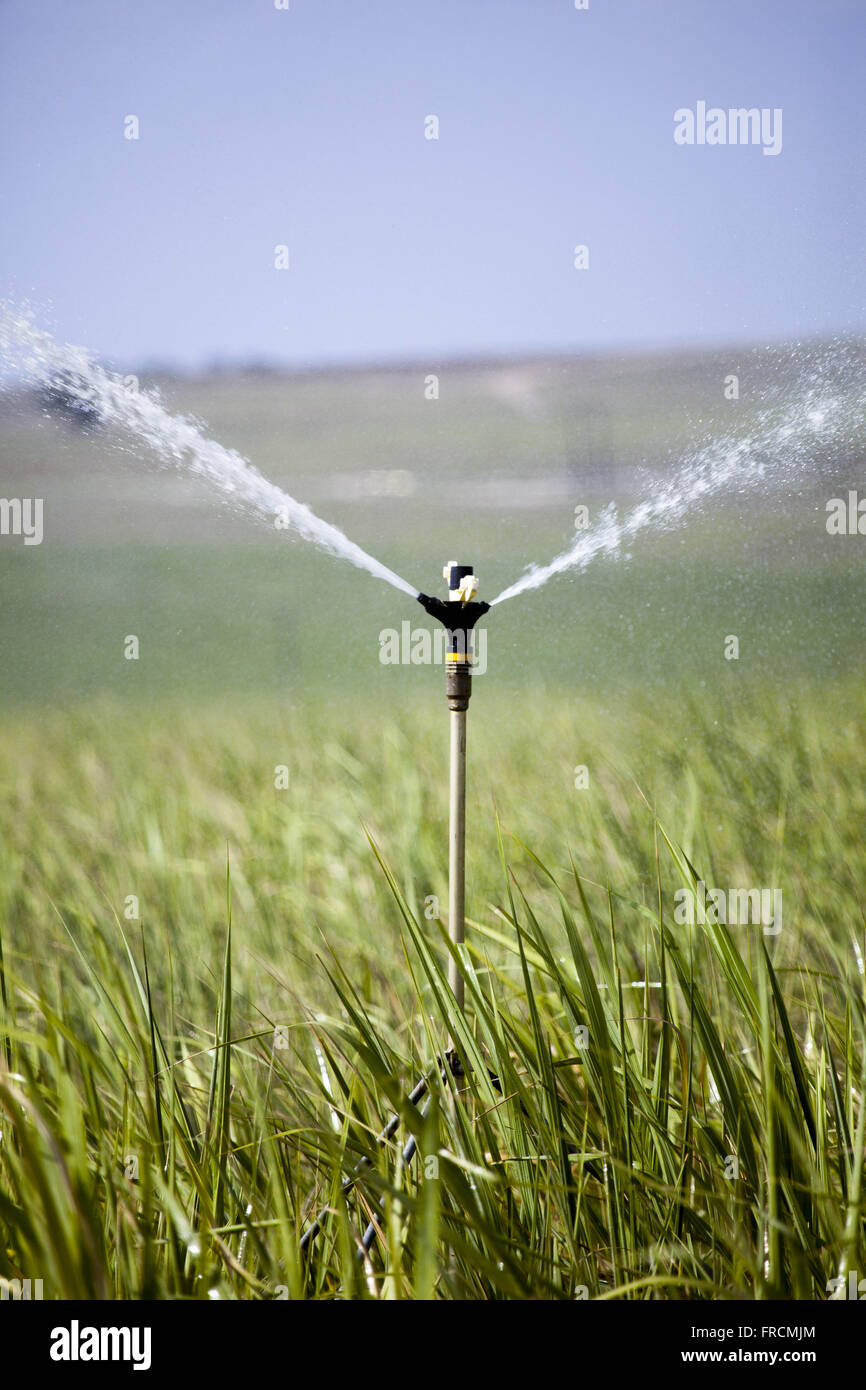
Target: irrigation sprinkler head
x=458, y=615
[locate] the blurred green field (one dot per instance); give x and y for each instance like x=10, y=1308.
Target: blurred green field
x=177, y=1115
x=491, y=471
x=127, y=784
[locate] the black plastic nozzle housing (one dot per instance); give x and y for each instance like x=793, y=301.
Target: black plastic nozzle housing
x=458, y=618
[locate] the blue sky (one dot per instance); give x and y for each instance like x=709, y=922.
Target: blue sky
x=305, y=127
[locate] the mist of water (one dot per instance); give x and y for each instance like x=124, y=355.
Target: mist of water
x=38, y=360
x=819, y=406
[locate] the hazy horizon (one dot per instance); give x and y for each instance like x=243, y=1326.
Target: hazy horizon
x=216, y=365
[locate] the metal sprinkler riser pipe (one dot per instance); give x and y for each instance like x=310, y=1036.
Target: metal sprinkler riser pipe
x=459, y=616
